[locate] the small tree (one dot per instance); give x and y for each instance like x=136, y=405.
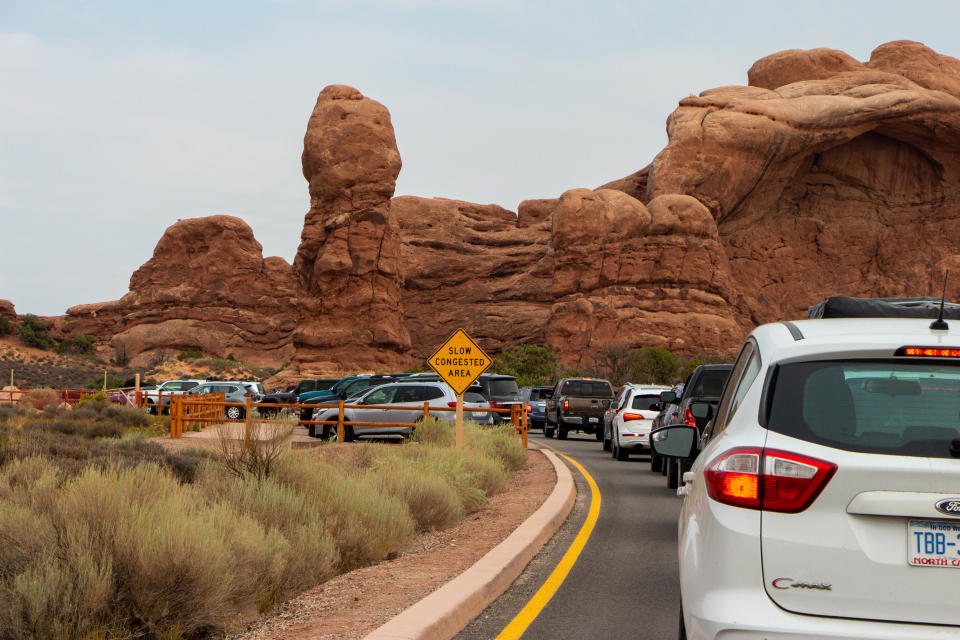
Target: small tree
x=5, y=327
x=79, y=345
x=34, y=333
x=616, y=363
x=656, y=365
x=531, y=365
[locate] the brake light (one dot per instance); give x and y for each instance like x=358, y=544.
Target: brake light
x=248, y=394
x=496, y=405
x=767, y=479
x=566, y=405
x=453, y=404
x=632, y=416
x=688, y=418
x=529, y=409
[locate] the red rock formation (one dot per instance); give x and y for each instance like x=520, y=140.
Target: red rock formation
x=349, y=255
x=207, y=286
x=7, y=311
x=825, y=176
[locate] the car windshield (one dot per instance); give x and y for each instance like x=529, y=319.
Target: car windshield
x=504, y=387
x=891, y=407
x=710, y=383
x=588, y=389
x=645, y=402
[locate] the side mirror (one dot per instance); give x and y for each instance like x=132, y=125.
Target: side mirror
x=668, y=397
x=675, y=441
x=605, y=403
x=702, y=413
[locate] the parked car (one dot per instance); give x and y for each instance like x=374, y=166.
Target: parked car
x=161, y=394
x=822, y=499
x=290, y=395
x=411, y=397
x=577, y=405
x=632, y=421
x=234, y=392
x=536, y=398
x=345, y=387
x=704, y=384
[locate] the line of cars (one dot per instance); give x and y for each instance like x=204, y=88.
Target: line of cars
x=158, y=397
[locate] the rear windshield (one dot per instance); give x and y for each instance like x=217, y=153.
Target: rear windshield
x=710, y=383
x=588, y=389
x=474, y=396
x=540, y=394
x=892, y=407
x=645, y=403
x=504, y=387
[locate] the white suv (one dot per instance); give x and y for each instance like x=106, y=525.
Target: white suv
x=824, y=500
x=629, y=428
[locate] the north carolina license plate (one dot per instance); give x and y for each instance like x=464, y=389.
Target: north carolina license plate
x=933, y=543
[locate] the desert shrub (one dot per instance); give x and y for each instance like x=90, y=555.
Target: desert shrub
x=220, y=365
x=39, y=398
x=34, y=332
x=256, y=456
x=434, y=431
x=190, y=354
x=498, y=443
x=433, y=502
x=112, y=382
x=79, y=345
x=82, y=428
x=5, y=327
x=13, y=413
x=366, y=525
x=101, y=409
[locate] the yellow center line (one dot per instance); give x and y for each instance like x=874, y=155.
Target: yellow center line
x=529, y=613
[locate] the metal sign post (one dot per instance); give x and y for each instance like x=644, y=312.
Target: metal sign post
x=459, y=426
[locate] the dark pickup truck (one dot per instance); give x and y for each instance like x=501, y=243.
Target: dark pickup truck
x=577, y=405
x=704, y=384
x=290, y=397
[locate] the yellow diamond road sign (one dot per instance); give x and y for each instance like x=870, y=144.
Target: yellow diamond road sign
x=459, y=361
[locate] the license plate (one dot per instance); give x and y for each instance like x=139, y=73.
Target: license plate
x=933, y=543
x=594, y=420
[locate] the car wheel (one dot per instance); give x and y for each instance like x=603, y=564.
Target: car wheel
x=598, y=434
x=267, y=412
x=326, y=432
x=673, y=474
x=622, y=454
x=233, y=413
x=348, y=434
x=312, y=430
x=562, y=431
x=656, y=463
x=613, y=449
x=548, y=431
x=606, y=443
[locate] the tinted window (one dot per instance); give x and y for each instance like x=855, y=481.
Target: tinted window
x=429, y=392
x=645, y=403
x=504, y=387
x=473, y=396
x=710, y=383
x=588, y=389
x=891, y=407
x=540, y=394
x=380, y=396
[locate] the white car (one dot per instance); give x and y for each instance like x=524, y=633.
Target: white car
x=410, y=396
x=824, y=500
x=632, y=421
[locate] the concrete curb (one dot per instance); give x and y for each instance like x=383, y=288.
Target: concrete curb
x=443, y=613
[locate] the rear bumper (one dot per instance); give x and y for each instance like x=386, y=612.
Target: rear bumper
x=736, y=615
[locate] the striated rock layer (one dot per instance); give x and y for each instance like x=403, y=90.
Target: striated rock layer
x=825, y=176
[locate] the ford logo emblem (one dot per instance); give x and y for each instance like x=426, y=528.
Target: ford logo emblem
x=950, y=506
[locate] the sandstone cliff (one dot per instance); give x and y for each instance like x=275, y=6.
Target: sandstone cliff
x=823, y=176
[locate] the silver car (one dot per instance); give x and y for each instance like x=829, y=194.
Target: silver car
x=408, y=399
x=234, y=392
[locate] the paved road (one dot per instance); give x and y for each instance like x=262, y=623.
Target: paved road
x=624, y=584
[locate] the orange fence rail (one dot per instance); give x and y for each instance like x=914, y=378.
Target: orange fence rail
x=200, y=410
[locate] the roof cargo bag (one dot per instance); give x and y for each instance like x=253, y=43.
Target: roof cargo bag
x=847, y=307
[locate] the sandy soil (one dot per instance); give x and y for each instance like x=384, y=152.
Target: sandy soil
x=354, y=604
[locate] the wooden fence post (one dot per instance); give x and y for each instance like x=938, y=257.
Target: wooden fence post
x=426, y=411
x=524, y=425
x=340, y=433
x=247, y=426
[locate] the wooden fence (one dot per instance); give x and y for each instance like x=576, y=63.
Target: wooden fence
x=197, y=411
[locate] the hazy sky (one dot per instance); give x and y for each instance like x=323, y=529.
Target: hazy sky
x=118, y=118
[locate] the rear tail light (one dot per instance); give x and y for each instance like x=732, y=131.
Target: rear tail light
x=452, y=404
x=632, y=416
x=528, y=408
x=767, y=479
x=566, y=405
x=248, y=394
x=688, y=418
x=496, y=405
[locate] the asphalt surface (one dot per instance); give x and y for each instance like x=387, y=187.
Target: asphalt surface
x=624, y=584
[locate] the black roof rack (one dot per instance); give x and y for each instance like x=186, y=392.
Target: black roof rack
x=847, y=307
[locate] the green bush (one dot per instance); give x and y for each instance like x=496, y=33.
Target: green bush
x=113, y=382
x=190, y=354
x=34, y=332
x=5, y=327
x=531, y=365
x=79, y=345
x=656, y=365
